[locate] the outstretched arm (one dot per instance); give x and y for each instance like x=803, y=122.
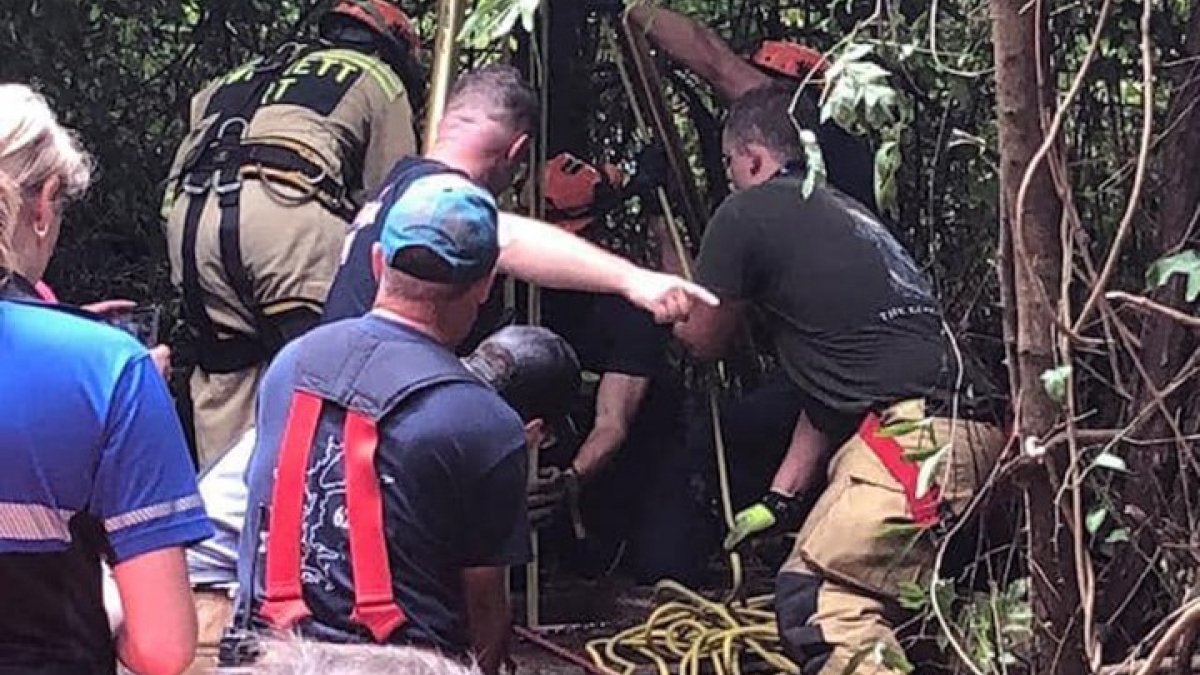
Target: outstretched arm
x=548, y=256
x=699, y=49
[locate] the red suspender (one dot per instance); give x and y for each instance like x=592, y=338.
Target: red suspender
x=374, y=601
x=924, y=509
x=375, y=605
x=283, y=604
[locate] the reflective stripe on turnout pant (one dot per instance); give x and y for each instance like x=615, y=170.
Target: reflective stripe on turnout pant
x=836, y=593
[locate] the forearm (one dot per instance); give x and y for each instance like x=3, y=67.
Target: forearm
x=807, y=456
x=548, y=256
x=489, y=632
x=158, y=635
x=488, y=618
x=698, y=48
x=598, y=449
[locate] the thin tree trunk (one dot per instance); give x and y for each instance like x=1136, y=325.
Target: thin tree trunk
x=1154, y=485
x=1032, y=230
x=1164, y=344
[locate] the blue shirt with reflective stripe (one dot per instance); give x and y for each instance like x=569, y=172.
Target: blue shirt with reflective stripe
x=95, y=464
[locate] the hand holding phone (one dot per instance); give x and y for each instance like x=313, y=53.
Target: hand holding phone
x=141, y=322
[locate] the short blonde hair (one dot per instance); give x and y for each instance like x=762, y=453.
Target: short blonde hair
x=297, y=656
x=34, y=148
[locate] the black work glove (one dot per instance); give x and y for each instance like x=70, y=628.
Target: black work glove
x=551, y=490
x=653, y=170
x=775, y=512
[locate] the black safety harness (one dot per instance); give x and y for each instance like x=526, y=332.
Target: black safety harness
x=220, y=162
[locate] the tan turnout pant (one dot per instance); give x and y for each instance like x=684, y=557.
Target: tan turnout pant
x=836, y=594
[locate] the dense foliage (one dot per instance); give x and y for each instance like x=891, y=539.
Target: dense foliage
x=121, y=73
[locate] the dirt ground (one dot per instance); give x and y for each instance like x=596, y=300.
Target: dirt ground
x=574, y=611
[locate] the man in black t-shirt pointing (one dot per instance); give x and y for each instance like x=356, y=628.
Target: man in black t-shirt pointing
x=860, y=338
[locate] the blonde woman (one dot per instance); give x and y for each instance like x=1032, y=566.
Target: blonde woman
x=95, y=465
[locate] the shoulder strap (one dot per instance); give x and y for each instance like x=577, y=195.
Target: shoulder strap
x=234, y=105
x=283, y=603
x=363, y=385
x=375, y=606
x=364, y=376
x=239, y=97
x=406, y=172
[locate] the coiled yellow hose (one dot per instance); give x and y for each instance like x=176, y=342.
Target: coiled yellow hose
x=686, y=628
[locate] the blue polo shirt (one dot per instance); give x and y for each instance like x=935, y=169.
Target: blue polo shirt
x=95, y=466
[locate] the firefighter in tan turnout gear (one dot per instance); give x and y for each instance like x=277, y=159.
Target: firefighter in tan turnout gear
x=861, y=339
x=278, y=155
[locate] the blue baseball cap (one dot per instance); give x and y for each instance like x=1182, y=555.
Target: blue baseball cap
x=448, y=216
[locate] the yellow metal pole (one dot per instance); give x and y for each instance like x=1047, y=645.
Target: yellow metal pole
x=539, y=46
x=445, y=64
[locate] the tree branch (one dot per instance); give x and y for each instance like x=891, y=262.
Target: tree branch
x=1146, y=304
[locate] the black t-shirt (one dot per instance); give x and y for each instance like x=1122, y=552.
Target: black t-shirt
x=611, y=335
x=352, y=293
x=852, y=317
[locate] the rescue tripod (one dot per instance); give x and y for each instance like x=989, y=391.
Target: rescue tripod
x=686, y=632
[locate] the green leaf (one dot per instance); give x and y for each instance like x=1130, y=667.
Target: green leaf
x=1119, y=535
x=856, y=52
x=920, y=454
x=899, y=528
x=1095, y=519
x=1186, y=263
x=494, y=20
x=857, y=660
x=887, y=163
x=529, y=9
x=895, y=660
x=1107, y=460
x=913, y=596
x=878, y=653
x=814, y=161
x=928, y=472
x=903, y=427
x=1055, y=382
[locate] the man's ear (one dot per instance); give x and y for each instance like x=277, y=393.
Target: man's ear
x=483, y=287
x=519, y=147
x=757, y=157
x=377, y=261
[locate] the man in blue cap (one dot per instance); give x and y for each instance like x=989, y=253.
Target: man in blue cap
x=371, y=425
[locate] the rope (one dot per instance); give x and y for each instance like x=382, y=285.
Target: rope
x=686, y=631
